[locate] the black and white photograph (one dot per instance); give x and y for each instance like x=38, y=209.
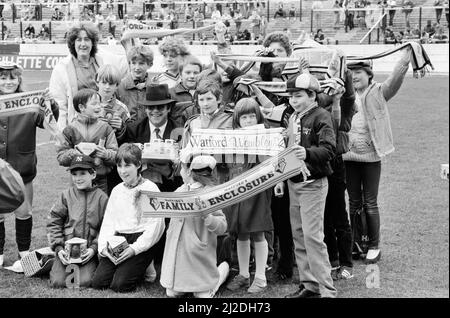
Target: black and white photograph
x=248, y=151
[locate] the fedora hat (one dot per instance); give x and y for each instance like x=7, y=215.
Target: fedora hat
x=156, y=94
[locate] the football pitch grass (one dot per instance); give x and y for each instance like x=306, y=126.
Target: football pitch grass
x=413, y=200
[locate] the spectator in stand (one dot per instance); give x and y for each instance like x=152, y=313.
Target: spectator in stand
x=37, y=10
x=120, y=10
x=447, y=15
x=317, y=5
x=226, y=16
x=264, y=24
x=237, y=20
x=415, y=33
x=429, y=29
x=6, y=32
x=348, y=15
x=280, y=11
x=99, y=23
x=44, y=34
x=244, y=35
x=361, y=14
x=57, y=15
x=337, y=14
x=173, y=17
x=439, y=35
x=319, y=37
x=392, y=4
x=188, y=14
x=408, y=6
x=256, y=25
x=198, y=20
x=439, y=4
x=389, y=37
x=111, y=21
x=216, y=15
x=292, y=11
x=383, y=5
x=30, y=32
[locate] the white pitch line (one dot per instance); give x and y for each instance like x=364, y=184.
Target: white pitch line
x=45, y=143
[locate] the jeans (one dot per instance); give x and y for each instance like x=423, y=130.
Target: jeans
x=58, y=273
x=363, y=180
x=125, y=276
x=306, y=212
x=337, y=230
x=282, y=230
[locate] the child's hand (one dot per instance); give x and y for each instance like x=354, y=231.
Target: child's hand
x=300, y=152
x=87, y=255
x=105, y=252
x=304, y=65
x=47, y=95
x=279, y=190
x=126, y=254
x=100, y=152
x=63, y=257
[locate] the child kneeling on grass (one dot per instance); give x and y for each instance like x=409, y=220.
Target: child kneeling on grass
x=190, y=263
x=78, y=213
x=122, y=218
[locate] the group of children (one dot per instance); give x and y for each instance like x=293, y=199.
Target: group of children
x=108, y=118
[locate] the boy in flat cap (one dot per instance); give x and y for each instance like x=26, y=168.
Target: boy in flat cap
x=311, y=134
x=77, y=213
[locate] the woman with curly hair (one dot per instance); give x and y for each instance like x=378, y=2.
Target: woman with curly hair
x=173, y=51
x=78, y=69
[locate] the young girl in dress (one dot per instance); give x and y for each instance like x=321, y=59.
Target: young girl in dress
x=249, y=219
x=190, y=263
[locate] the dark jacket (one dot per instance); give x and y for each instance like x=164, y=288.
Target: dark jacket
x=18, y=141
x=319, y=140
x=129, y=94
x=159, y=172
x=348, y=109
x=77, y=213
x=184, y=100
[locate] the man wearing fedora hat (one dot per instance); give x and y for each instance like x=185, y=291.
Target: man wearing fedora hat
x=157, y=104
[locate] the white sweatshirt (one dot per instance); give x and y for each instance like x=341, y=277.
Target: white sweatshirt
x=122, y=216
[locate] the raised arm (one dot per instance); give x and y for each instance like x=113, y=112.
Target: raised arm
x=393, y=83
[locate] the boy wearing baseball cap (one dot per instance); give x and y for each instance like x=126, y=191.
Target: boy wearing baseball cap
x=77, y=213
x=311, y=134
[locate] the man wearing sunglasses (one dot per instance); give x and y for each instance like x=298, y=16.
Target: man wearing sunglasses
x=156, y=125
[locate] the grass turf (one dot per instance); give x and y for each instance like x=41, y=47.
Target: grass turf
x=413, y=203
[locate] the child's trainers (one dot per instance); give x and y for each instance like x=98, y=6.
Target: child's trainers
x=345, y=272
x=335, y=273
x=258, y=286
x=238, y=281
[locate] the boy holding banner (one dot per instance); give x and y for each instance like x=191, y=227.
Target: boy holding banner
x=311, y=131
x=18, y=145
